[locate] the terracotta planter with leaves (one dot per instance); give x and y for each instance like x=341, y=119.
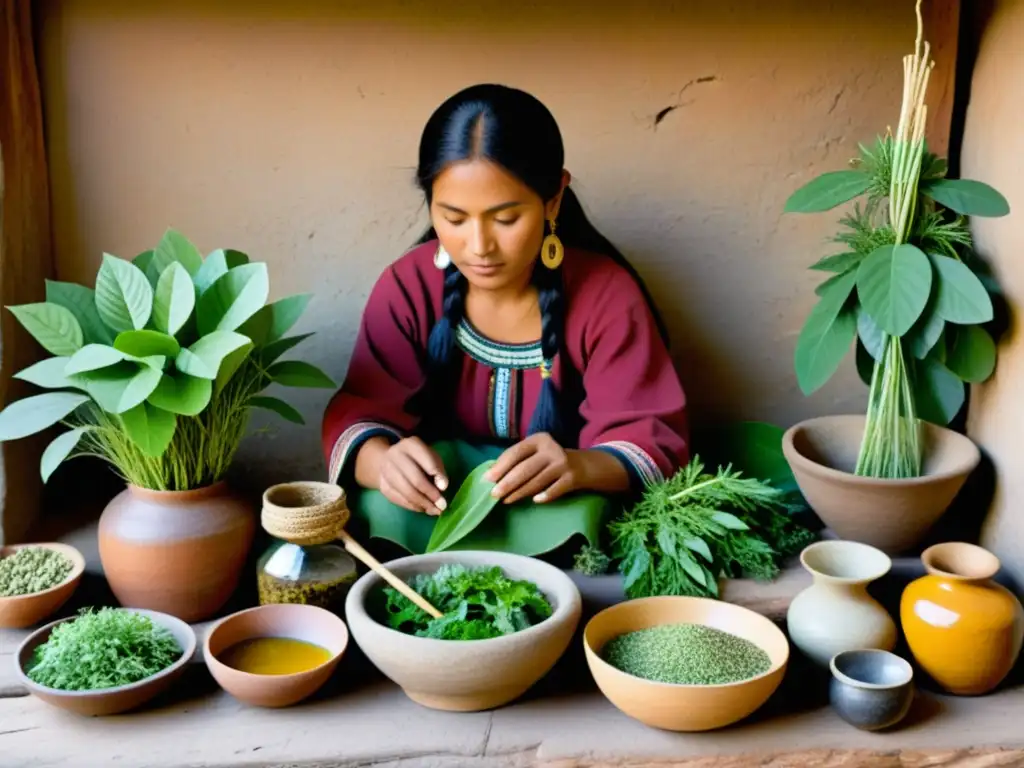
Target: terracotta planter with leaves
x=177, y=552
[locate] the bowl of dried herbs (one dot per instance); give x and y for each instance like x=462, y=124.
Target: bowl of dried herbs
x=685, y=663
x=105, y=661
x=36, y=580
x=507, y=619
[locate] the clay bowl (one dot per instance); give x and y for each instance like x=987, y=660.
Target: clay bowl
x=29, y=610
x=871, y=689
x=465, y=675
x=110, y=701
x=676, y=707
x=298, y=622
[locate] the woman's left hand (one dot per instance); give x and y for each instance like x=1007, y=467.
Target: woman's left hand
x=537, y=466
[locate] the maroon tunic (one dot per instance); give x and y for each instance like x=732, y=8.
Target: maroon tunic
x=632, y=406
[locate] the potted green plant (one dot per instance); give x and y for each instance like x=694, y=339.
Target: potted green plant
x=156, y=370
x=906, y=290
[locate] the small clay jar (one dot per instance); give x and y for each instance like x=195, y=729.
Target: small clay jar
x=963, y=629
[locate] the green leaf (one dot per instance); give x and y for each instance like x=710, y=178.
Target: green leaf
x=174, y=300
x=938, y=393
x=275, y=349
x=295, y=373
x=146, y=344
x=81, y=301
x=692, y=568
x=865, y=364
x=871, y=336
x=215, y=265
x=972, y=355
x=229, y=365
x=174, y=247
x=826, y=286
x=235, y=297
x=893, y=284
x=730, y=521
x=839, y=262
x=471, y=505
x=966, y=196
x=280, y=407
x=274, y=320
x=143, y=260
x=58, y=450
x=48, y=373
x=33, y=414
x=826, y=336
x=926, y=331
x=182, y=394
x=150, y=428
x=634, y=566
x=52, y=325
x=124, y=297
x=204, y=358
x=120, y=387
x=827, y=191
x=961, y=297
x=93, y=357
x=751, y=447
x=700, y=547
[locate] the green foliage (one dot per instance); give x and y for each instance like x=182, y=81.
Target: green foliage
x=696, y=527
x=468, y=509
x=477, y=603
x=103, y=649
x=156, y=369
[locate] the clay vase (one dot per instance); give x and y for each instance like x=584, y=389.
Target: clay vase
x=177, y=552
x=891, y=515
x=963, y=629
x=836, y=613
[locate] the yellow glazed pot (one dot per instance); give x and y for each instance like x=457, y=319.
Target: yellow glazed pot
x=963, y=629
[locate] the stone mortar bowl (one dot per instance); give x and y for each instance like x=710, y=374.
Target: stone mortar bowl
x=871, y=689
x=465, y=675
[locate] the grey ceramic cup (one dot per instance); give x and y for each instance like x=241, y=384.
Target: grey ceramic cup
x=871, y=689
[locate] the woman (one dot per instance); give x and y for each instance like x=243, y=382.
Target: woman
x=513, y=323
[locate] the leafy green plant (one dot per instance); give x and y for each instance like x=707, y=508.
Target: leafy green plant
x=695, y=527
x=903, y=287
x=155, y=369
x=477, y=603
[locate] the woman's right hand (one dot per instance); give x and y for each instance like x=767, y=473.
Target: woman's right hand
x=412, y=476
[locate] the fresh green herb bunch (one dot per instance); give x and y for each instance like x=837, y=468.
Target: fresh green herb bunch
x=695, y=527
x=905, y=289
x=477, y=603
x=156, y=369
x=103, y=649
x=591, y=561
x=32, y=569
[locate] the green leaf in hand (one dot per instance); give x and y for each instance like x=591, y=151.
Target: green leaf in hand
x=52, y=325
x=468, y=509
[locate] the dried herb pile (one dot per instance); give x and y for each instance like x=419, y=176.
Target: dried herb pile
x=32, y=569
x=477, y=603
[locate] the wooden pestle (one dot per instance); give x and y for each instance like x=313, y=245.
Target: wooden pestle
x=310, y=512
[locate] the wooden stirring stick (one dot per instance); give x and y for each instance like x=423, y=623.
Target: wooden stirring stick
x=309, y=512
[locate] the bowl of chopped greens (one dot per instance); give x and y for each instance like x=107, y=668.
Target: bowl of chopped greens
x=105, y=661
x=507, y=619
x=35, y=581
x=685, y=663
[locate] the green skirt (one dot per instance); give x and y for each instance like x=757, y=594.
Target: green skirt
x=523, y=528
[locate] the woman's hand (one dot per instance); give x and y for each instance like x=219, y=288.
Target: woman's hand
x=408, y=473
x=537, y=467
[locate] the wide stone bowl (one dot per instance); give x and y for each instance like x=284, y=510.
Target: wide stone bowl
x=465, y=675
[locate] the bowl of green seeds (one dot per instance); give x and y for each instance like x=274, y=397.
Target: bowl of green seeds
x=35, y=581
x=685, y=663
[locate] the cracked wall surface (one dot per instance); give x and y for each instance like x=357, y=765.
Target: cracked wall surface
x=290, y=130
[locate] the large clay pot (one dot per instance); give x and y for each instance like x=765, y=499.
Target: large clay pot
x=963, y=629
x=836, y=613
x=177, y=552
x=892, y=515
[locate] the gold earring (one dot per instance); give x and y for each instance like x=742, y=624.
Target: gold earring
x=551, y=250
x=441, y=257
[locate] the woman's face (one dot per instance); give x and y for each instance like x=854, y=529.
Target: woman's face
x=490, y=223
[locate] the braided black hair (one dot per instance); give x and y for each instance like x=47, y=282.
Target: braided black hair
x=517, y=132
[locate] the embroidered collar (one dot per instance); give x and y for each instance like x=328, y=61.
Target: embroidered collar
x=494, y=353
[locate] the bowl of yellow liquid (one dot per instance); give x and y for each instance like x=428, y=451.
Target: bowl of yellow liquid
x=275, y=655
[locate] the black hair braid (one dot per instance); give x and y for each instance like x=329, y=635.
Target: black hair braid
x=547, y=416
x=441, y=342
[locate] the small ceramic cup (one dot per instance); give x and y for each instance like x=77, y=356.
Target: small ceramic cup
x=871, y=689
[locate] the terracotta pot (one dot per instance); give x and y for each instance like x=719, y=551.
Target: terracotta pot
x=836, y=613
x=892, y=515
x=963, y=629
x=177, y=552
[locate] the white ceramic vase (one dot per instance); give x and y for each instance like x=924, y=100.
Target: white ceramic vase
x=836, y=613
